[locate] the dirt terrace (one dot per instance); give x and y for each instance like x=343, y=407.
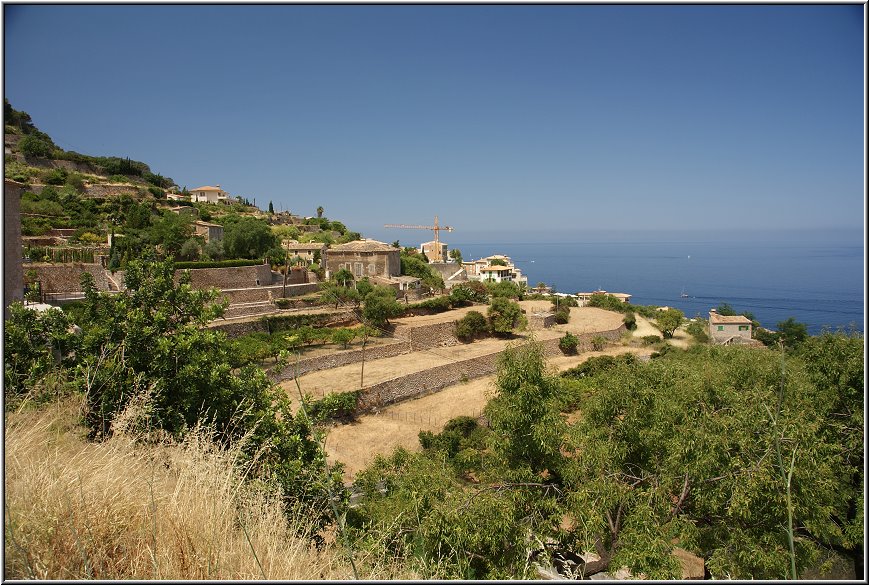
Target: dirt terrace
x=357, y=444
x=345, y=378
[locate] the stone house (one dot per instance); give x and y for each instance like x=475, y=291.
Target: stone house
x=209, y=195
x=724, y=328
x=430, y=249
x=209, y=231
x=364, y=258
x=305, y=251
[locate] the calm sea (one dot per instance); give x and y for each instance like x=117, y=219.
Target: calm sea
x=817, y=284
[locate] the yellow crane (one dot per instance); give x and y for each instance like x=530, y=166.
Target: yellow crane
x=436, y=228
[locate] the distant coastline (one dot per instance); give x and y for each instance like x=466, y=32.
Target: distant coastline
x=820, y=284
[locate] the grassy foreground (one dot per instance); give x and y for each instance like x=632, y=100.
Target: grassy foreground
x=121, y=510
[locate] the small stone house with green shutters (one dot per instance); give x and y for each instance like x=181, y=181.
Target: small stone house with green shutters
x=364, y=258
x=725, y=329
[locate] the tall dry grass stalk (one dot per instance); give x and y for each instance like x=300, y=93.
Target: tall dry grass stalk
x=124, y=510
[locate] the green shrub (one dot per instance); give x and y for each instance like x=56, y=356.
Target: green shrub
x=438, y=304
x=54, y=176
x=650, y=339
x=630, y=321
x=337, y=405
x=464, y=294
x=697, y=328
x=343, y=336
x=217, y=264
x=471, y=326
x=562, y=316
x=568, y=343
x=36, y=146
x=505, y=316
x=598, y=342
x=594, y=365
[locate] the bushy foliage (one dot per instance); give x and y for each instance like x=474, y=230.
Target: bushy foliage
x=597, y=364
x=698, y=328
x=36, y=146
x=336, y=405
x=668, y=321
x=216, y=263
x=35, y=344
x=463, y=295
x=562, y=316
x=505, y=289
x=415, y=266
x=248, y=237
x=437, y=304
x=505, y=316
x=568, y=343
x=678, y=448
x=379, y=306
x=630, y=321
x=472, y=326
x=147, y=345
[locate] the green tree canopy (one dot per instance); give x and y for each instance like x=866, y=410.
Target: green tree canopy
x=669, y=320
x=380, y=305
x=505, y=316
x=248, y=238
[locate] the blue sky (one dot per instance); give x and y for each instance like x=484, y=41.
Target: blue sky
x=511, y=123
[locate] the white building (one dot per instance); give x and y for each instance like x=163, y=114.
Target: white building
x=209, y=194
x=496, y=268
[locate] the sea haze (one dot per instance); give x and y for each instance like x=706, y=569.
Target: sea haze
x=818, y=283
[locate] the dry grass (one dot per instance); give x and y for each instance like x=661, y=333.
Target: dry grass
x=122, y=510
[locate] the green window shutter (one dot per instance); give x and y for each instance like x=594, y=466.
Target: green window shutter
x=721, y=327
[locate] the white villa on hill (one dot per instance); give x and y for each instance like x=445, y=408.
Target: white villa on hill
x=496, y=268
x=209, y=194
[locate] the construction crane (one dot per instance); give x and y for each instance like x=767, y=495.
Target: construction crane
x=436, y=228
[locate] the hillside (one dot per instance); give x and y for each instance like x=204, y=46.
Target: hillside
x=76, y=207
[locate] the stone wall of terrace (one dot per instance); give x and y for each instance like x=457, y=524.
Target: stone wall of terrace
x=340, y=358
x=538, y=321
x=234, y=328
x=233, y=277
x=66, y=278
x=419, y=384
x=428, y=336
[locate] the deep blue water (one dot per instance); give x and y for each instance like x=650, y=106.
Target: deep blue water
x=817, y=284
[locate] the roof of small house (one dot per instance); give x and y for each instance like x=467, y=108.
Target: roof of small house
x=207, y=188
x=722, y=319
x=207, y=224
x=304, y=247
x=495, y=268
x=363, y=246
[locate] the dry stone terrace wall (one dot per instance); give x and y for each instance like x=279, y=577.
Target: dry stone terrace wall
x=266, y=293
x=340, y=358
x=234, y=328
x=425, y=382
x=428, y=336
x=66, y=278
x=230, y=278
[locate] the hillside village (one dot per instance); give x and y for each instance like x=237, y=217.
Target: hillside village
x=382, y=351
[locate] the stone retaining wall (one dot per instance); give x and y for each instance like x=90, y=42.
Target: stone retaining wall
x=238, y=328
x=419, y=384
x=233, y=277
x=428, y=336
x=538, y=321
x=340, y=358
x=66, y=278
